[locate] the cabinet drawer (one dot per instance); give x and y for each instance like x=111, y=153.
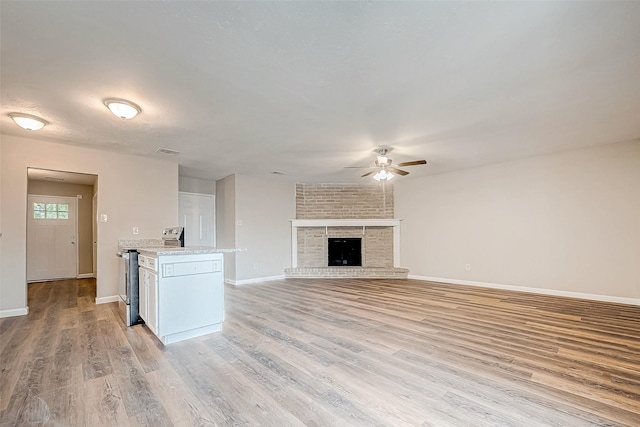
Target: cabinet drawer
x=188, y=268
x=142, y=261
x=147, y=262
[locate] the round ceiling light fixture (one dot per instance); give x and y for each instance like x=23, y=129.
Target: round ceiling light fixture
x=383, y=175
x=122, y=108
x=28, y=121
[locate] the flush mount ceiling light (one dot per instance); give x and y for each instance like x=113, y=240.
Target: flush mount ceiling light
x=122, y=108
x=28, y=122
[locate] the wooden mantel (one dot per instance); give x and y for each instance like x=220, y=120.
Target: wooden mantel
x=326, y=223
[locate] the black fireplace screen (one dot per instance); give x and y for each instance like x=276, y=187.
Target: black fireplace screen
x=345, y=251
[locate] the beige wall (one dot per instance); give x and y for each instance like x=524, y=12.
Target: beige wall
x=264, y=205
x=226, y=222
x=566, y=222
x=85, y=217
x=253, y=213
x=132, y=191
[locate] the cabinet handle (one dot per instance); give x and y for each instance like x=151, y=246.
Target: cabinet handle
x=200, y=227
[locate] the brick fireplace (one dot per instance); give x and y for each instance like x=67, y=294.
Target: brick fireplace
x=328, y=211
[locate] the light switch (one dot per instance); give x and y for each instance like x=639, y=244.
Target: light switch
x=103, y=217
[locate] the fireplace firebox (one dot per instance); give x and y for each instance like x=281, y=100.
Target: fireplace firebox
x=345, y=252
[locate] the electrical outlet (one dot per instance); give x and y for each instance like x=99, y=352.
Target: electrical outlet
x=255, y=265
x=467, y=267
x=136, y=230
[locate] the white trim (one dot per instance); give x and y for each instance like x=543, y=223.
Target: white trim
x=256, y=280
x=14, y=312
x=295, y=223
x=542, y=291
x=345, y=222
x=85, y=276
x=105, y=300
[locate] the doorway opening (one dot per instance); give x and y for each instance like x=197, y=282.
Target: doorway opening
x=61, y=230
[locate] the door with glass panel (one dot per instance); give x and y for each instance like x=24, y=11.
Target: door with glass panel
x=51, y=238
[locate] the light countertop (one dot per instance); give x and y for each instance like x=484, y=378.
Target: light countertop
x=188, y=250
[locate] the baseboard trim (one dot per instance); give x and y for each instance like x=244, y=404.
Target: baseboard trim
x=85, y=276
x=14, y=312
x=105, y=300
x=256, y=280
x=542, y=291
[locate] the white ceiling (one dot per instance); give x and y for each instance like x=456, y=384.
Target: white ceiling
x=307, y=88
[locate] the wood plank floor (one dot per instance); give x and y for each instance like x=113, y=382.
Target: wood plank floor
x=327, y=353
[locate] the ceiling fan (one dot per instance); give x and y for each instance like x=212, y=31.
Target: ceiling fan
x=384, y=168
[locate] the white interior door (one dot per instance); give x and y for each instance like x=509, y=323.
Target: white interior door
x=51, y=238
x=197, y=216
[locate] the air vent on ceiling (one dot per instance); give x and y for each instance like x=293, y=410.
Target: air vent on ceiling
x=54, y=178
x=168, y=151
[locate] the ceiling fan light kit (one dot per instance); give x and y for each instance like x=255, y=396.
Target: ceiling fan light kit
x=385, y=169
x=383, y=175
x=28, y=121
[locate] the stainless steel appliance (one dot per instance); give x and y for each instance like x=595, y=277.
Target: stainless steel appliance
x=129, y=286
x=129, y=301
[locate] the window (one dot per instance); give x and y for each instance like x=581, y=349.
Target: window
x=51, y=211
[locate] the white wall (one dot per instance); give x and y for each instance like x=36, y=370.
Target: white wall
x=132, y=191
x=195, y=185
x=264, y=206
x=567, y=222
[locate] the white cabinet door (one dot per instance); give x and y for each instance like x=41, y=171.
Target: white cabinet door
x=152, y=297
x=190, y=302
x=143, y=292
x=197, y=216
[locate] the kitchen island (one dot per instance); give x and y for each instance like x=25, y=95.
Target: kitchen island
x=181, y=291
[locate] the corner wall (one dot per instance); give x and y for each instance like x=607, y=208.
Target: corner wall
x=226, y=223
x=254, y=214
x=264, y=206
x=565, y=223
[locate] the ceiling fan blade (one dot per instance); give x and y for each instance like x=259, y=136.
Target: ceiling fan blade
x=367, y=174
x=413, y=163
x=398, y=171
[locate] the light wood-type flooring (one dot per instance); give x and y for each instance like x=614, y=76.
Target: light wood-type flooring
x=327, y=353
